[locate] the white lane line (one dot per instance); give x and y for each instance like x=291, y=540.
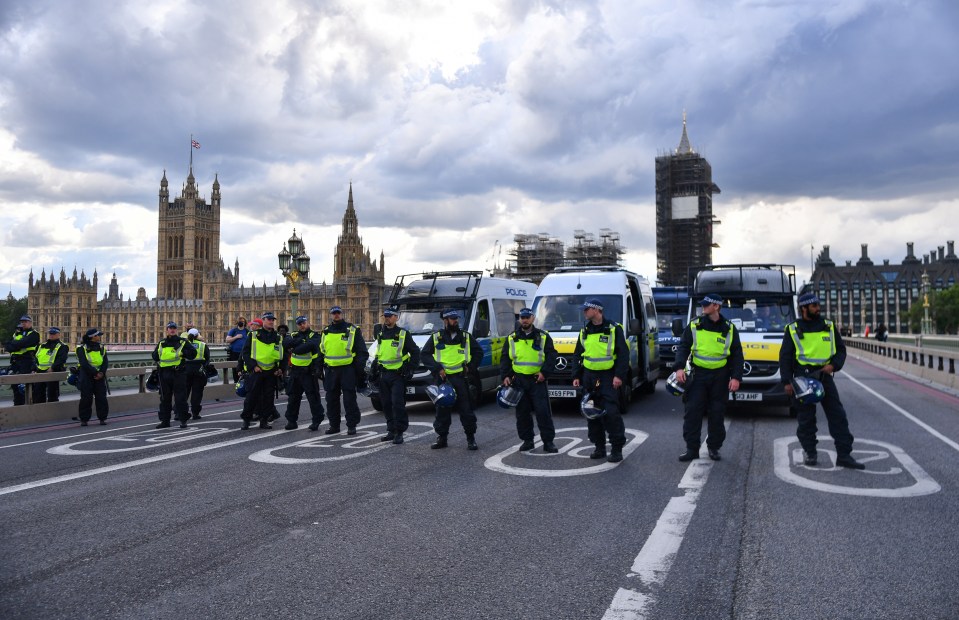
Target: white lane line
x=656, y=557
x=952, y=444
x=144, y=461
x=109, y=430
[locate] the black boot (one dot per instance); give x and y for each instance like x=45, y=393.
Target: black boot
x=599, y=452
x=333, y=430
x=440, y=443
x=398, y=439
x=471, y=443
x=616, y=455
x=291, y=425
x=246, y=425
x=164, y=424
x=388, y=437
x=689, y=455
x=549, y=447
x=527, y=445
x=848, y=461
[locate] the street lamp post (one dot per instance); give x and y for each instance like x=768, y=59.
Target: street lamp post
x=926, y=321
x=295, y=266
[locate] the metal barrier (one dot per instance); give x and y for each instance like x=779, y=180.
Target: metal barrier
x=934, y=364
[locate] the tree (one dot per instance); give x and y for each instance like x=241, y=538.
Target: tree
x=11, y=309
x=946, y=317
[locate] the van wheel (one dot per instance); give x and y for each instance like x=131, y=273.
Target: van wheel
x=376, y=402
x=648, y=388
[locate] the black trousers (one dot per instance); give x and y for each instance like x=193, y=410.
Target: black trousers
x=463, y=406
x=611, y=424
x=234, y=356
x=302, y=380
x=195, y=382
x=91, y=389
x=21, y=365
x=707, y=393
x=46, y=392
x=393, y=397
x=260, y=396
x=341, y=380
x=835, y=418
x=173, y=394
x=535, y=400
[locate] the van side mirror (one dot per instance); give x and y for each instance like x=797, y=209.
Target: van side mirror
x=377, y=330
x=481, y=328
x=677, y=327
x=635, y=327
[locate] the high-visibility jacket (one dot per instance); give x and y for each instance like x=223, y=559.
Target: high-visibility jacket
x=711, y=349
x=337, y=347
x=452, y=358
x=814, y=348
x=302, y=360
x=267, y=355
x=170, y=357
x=599, y=348
x=95, y=358
x=26, y=350
x=389, y=353
x=527, y=354
x=46, y=356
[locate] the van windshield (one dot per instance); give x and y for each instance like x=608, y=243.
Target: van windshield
x=564, y=313
x=426, y=319
x=759, y=315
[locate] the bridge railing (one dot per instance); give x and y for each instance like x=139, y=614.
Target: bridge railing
x=935, y=363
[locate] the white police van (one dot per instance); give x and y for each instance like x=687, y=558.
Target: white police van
x=489, y=308
x=627, y=299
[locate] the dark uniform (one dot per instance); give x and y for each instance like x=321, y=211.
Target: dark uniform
x=170, y=354
x=303, y=349
x=343, y=352
x=396, y=357
x=525, y=355
x=51, y=357
x=717, y=357
x=808, y=346
x=464, y=355
x=92, y=362
x=195, y=371
x=599, y=380
x=22, y=348
x=262, y=350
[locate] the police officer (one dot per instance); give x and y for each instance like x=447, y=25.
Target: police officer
x=396, y=357
x=303, y=348
x=600, y=364
x=453, y=355
x=169, y=354
x=195, y=372
x=51, y=357
x=344, y=355
x=22, y=348
x=527, y=360
x=263, y=359
x=92, y=365
x=812, y=347
x=711, y=344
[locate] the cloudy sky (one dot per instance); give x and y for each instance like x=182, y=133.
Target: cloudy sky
x=463, y=123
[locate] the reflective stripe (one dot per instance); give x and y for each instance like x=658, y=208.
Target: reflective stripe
x=46, y=357
x=815, y=352
x=396, y=357
x=301, y=360
x=170, y=356
x=530, y=359
x=598, y=355
x=335, y=353
x=453, y=358
x=705, y=352
x=266, y=355
x=95, y=358
x=26, y=351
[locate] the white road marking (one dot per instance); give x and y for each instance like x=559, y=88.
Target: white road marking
x=495, y=462
x=152, y=438
x=656, y=557
x=952, y=444
x=364, y=442
x=924, y=483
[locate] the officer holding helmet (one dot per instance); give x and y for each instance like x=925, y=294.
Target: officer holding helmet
x=711, y=345
x=344, y=356
x=303, y=348
x=600, y=364
x=22, y=348
x=92, y=366
x=396, y=357
x=527, y=360
x=812, y=347
x=452, y=354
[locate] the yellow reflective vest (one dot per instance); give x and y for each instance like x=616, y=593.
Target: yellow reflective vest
x=337, y=347
x=710, y=349
x=814, y=348
x=527, y=354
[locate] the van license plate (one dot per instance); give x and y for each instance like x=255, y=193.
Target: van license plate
x=745, y=396
x=410, y=389
x=562, y=393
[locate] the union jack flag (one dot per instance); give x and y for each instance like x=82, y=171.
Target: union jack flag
x=196, y=144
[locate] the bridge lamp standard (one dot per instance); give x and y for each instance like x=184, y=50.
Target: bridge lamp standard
x=295, y=266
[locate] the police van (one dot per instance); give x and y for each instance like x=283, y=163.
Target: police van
x=760, y=300
x=627, y=299
x=672, y=306
x=489, y=309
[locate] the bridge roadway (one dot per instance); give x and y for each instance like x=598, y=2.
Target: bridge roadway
x=125, y=521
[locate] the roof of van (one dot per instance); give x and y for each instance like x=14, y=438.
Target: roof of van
x=731, y=279
x=446, y=286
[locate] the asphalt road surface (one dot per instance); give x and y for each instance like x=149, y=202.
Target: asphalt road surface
x=125, y=521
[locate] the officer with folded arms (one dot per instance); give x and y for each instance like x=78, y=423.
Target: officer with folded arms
x=600, y=365
x=303, y=350
x=263, y=359
x=92, y=365
x=344, y=356
x=527, y=360
x=812, y=347
x=396, y=357
x=711, y=344
x=169, y=354
x=22, y=348
x=51, y=357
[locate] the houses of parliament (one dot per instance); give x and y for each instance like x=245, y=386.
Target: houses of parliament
x=194, y=285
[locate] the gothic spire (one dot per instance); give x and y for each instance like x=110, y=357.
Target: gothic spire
x=684, y=147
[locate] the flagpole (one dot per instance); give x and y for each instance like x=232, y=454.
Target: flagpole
x=191, y=153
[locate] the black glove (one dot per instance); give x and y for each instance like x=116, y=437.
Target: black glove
x=406, y=371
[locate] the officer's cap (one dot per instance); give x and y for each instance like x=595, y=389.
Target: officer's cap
x=301, y=319
x=336, y=309
x=593, y=302
x=53, y=330
x=710, y=299
x=93, y=331
x=171, y=325
x=26, y=317
x=391, y=311
x=268, y=316
x=525, y=312
x=450, y=313
x=194, y=332
x=808, y=298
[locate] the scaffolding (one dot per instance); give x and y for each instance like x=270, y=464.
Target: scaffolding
x=587, y=252
x=535, y=255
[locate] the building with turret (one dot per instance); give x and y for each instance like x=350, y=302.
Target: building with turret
x=194, y=285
